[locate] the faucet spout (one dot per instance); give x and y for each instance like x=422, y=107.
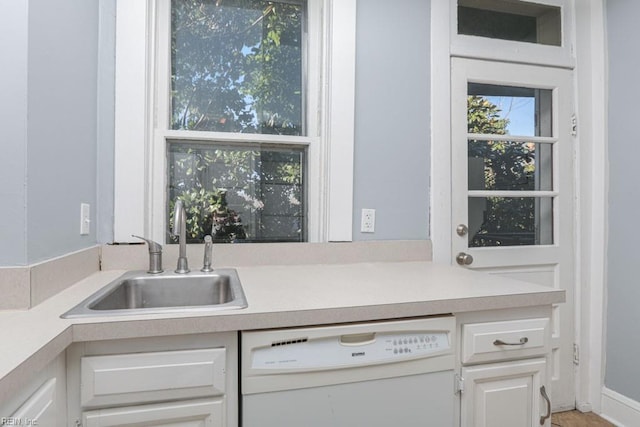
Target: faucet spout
x=180, y=231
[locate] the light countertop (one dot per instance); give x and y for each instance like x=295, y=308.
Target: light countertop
x=278, y=296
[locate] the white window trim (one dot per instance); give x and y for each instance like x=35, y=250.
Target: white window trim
x=130, y=120
x=140, y=144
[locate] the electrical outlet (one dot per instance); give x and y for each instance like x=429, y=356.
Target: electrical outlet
x=368, y=223
x=85, y=219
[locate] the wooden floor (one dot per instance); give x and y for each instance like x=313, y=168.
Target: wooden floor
x=578, y=419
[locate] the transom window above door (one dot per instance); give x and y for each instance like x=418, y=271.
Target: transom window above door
x=511, y=20
x=513, y=30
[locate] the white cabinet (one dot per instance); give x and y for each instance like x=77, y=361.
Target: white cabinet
x=39, y=409
x=504, y=372
x=503, y=394
x=41, y=401
x=185, y=381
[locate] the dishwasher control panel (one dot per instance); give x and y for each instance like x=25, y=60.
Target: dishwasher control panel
x=304, y=352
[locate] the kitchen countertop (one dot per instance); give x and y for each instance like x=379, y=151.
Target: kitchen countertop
x=278, y=296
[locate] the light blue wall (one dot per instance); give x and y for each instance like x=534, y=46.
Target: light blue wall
x=623, y=293
x=392, y=146
x=13, y=142
x=50, y=153
x=58, y=142
x=106, y=120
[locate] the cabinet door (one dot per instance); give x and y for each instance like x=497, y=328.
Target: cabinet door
x=504, y=395
x=39, y=409
x=195, y=413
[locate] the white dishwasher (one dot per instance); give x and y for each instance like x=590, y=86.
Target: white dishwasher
x=392, y=373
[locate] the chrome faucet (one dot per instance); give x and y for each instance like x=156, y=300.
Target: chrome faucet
x=155, y=255
x=208, y=255
x=180, y=231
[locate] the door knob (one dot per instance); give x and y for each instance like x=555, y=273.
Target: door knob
x=464, y=259
x=462, y=230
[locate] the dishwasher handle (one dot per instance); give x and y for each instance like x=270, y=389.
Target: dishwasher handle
x=358, y=339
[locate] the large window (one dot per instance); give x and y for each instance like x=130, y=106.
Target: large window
x=238, y=66
x=242, y=108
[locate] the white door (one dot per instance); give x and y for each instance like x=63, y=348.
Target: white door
x=512, y=186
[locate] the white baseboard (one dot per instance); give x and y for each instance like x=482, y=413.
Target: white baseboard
x=620, y=410
x=584, y=407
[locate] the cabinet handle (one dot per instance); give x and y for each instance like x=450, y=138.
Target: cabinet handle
x=544, y=418
x=522, y=341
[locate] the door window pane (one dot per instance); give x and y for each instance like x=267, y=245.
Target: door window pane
x=509, y=110
x=510, y=221
x=510, y=20
x=506, y=165
x=236, y=66
x=236, y=193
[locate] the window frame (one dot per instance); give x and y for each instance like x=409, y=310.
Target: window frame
x=142, y=119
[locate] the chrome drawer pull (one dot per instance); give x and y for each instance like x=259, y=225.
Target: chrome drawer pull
x=544, y=418
x=522, y=341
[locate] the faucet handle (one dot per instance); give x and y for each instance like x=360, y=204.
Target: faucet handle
x=155, y=255
x=154, y=247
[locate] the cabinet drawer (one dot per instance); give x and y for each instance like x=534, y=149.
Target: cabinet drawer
x=172, y=414
x=146, y=377
x=494, y=341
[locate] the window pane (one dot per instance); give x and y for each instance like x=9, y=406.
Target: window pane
x=509, y=110
x=510, y=20
x=510, y=221
x=234, y=193
x=505, y=165
x=236, y=66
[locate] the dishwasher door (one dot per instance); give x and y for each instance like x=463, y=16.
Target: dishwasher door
x=371, y=374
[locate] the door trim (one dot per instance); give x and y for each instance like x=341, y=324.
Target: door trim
x=440, y=191
x=592, y=181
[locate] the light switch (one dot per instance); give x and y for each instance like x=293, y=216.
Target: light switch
x=85, y=219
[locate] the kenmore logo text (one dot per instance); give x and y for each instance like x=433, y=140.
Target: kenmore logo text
x=360, y=353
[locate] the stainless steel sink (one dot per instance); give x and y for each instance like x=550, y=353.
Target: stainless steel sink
x=137, y=292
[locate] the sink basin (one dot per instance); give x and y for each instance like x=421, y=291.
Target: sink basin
x=137, y=292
